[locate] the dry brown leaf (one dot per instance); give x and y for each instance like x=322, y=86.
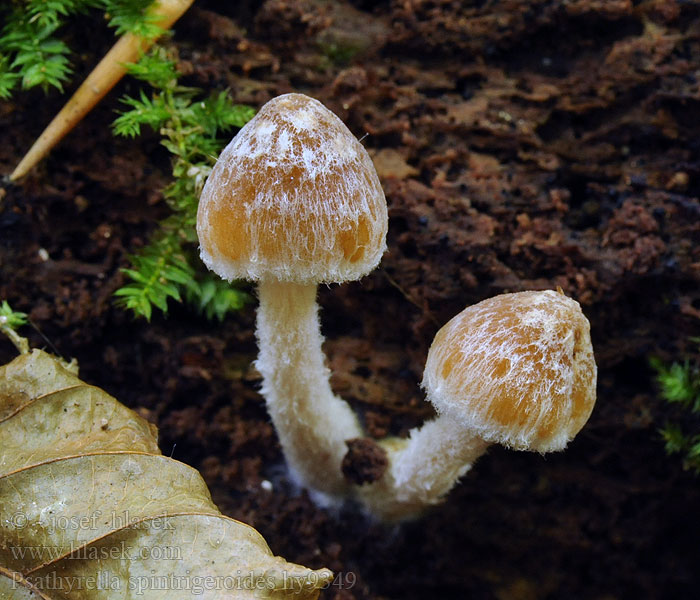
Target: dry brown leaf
x=90, y=509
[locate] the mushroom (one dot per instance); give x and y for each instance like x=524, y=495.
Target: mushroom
x=294, y=201
x=517, y=369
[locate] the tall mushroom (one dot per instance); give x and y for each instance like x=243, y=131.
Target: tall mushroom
x=294, y=201
x=516, y=369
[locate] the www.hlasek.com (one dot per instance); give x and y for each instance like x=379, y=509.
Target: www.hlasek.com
x=195, y=584
x=77, y=551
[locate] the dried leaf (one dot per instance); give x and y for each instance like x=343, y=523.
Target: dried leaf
x=90, y=509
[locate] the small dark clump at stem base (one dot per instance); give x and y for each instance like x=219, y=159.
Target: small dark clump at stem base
x=365, y=462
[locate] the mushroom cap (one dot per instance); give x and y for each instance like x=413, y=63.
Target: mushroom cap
x=293, y=197
x=517, y=369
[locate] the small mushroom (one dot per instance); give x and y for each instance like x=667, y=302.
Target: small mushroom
x=517, y=369
x=294, y=201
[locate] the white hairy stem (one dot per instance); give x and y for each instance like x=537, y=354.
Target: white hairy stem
x=422, y=469
x=311, y=422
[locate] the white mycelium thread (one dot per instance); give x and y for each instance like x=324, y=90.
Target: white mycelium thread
x=293, y=201
x=293, y=197
x=516, y=369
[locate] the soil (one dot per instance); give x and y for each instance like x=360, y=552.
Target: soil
x=522, y=144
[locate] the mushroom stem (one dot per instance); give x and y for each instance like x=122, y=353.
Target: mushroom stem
x=312, y=423
x=102, y=79
x=423, y=468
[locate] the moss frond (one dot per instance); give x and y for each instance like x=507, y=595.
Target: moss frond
x=679, y=383
x=32, y=53
x=191, y=126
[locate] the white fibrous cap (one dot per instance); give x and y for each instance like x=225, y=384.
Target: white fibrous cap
x=517, y=369
x=293, y=197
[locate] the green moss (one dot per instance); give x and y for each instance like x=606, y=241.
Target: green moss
x=32, y=53
x=679, y=384
x=190, y=124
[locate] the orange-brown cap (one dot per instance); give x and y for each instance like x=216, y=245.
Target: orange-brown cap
x=517, y=369
x=293, y=197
